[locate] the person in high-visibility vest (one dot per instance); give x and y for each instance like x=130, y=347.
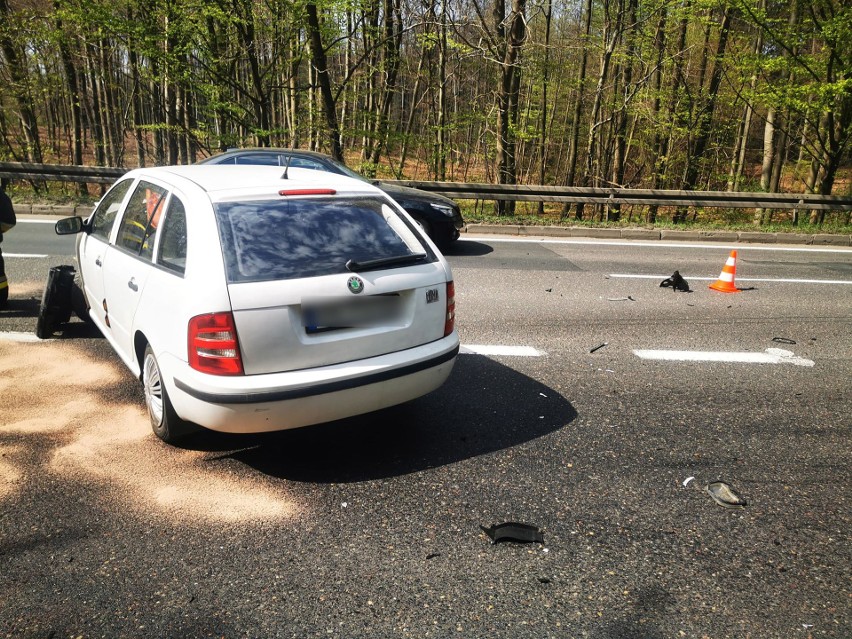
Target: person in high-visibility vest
x=7, y=221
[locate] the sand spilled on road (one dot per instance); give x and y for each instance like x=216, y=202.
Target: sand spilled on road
x=23, y=290
x=10, y=476
x=52, y=417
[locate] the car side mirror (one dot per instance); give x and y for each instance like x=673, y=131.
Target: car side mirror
x=69, y=225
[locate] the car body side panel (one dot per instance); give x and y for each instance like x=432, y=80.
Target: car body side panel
x=125, y=277
x=91, y=252
x=170, y=300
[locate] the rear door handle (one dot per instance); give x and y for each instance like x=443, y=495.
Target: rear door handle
x=132, y=284
x=98, y=261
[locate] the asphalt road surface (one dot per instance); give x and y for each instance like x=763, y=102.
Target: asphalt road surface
x=589, y=402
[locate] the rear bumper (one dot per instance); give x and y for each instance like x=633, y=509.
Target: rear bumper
x=258, y=403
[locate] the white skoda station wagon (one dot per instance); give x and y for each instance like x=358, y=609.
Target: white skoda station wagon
x=255, y=298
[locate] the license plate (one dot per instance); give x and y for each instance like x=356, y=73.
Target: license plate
x=357, y=312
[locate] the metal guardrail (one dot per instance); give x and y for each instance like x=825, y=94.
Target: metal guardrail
x=505, y=192
x=588, y=195
x=60, y=172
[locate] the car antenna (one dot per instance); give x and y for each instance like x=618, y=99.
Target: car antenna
x=286, y=168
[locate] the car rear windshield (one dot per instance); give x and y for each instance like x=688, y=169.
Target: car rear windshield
x=296, y=238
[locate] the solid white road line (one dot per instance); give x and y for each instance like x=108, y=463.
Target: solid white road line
x=659, y=244
x=472, y=349
x=739, y=279
x=23, y=255
x=19, y=337
x=492, y=350
x=770, y=356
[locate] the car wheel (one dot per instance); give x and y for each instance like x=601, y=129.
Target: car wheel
x=164, y=420
x=78, y=299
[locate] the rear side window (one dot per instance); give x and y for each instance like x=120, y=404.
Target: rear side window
x=103, y=218
x=287, y=239
x=266, y=159
x=172, y=253
x=305, y=163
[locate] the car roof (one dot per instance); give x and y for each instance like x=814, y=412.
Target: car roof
x=220, y=181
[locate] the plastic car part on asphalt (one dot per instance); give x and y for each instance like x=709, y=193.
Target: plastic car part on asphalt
x=725, y=495
x=513, y=531
x=55, y=308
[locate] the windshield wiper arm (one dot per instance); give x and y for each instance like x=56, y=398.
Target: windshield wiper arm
x=368, y=265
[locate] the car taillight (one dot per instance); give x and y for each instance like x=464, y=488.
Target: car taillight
x=213, y=346
x=450, y=322
x=287, y=192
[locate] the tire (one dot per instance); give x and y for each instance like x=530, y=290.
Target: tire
x=55, y=308
x=78, y=299
x=164, y=420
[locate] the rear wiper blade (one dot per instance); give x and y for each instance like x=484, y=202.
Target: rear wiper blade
x=368, y=265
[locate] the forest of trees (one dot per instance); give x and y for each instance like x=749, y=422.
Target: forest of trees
x=665, y=94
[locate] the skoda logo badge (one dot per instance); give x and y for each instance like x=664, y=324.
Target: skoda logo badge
x=355, y=284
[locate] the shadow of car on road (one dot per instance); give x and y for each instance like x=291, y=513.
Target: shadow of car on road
x=20, y=308
x=467, y=248
x=484, y=407
x=77, y=329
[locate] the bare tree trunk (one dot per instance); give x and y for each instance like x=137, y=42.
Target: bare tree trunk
x=320, y=65
x=738, y=158
x=113, y=117
x=96, y=110
x=658, y=145
x=260, y=96
x=182, y=125
x=611, y=36
x=574, y=136
x=620, y=156
x=392, y=43
x=769, y=150
x=511, y=31
x=20, y=89
x=293, y=93
x=705, y=119
x=545, y=80
x=74, y=94
x=441, y=127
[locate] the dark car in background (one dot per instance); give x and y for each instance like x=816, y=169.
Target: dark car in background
x=437, y=215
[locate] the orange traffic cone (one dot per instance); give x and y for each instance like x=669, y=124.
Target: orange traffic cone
x=725, y=283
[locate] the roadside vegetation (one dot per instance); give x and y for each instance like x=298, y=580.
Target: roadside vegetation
x=737, y=95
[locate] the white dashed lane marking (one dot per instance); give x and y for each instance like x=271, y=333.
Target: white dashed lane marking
x=739, y=279
x=492, y=350
x=471, y=349
x=770, y=356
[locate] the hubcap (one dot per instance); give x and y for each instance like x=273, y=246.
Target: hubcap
x=153, y=389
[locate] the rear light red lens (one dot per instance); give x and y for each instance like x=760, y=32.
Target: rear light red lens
x=450, y=322
x=213, y=346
